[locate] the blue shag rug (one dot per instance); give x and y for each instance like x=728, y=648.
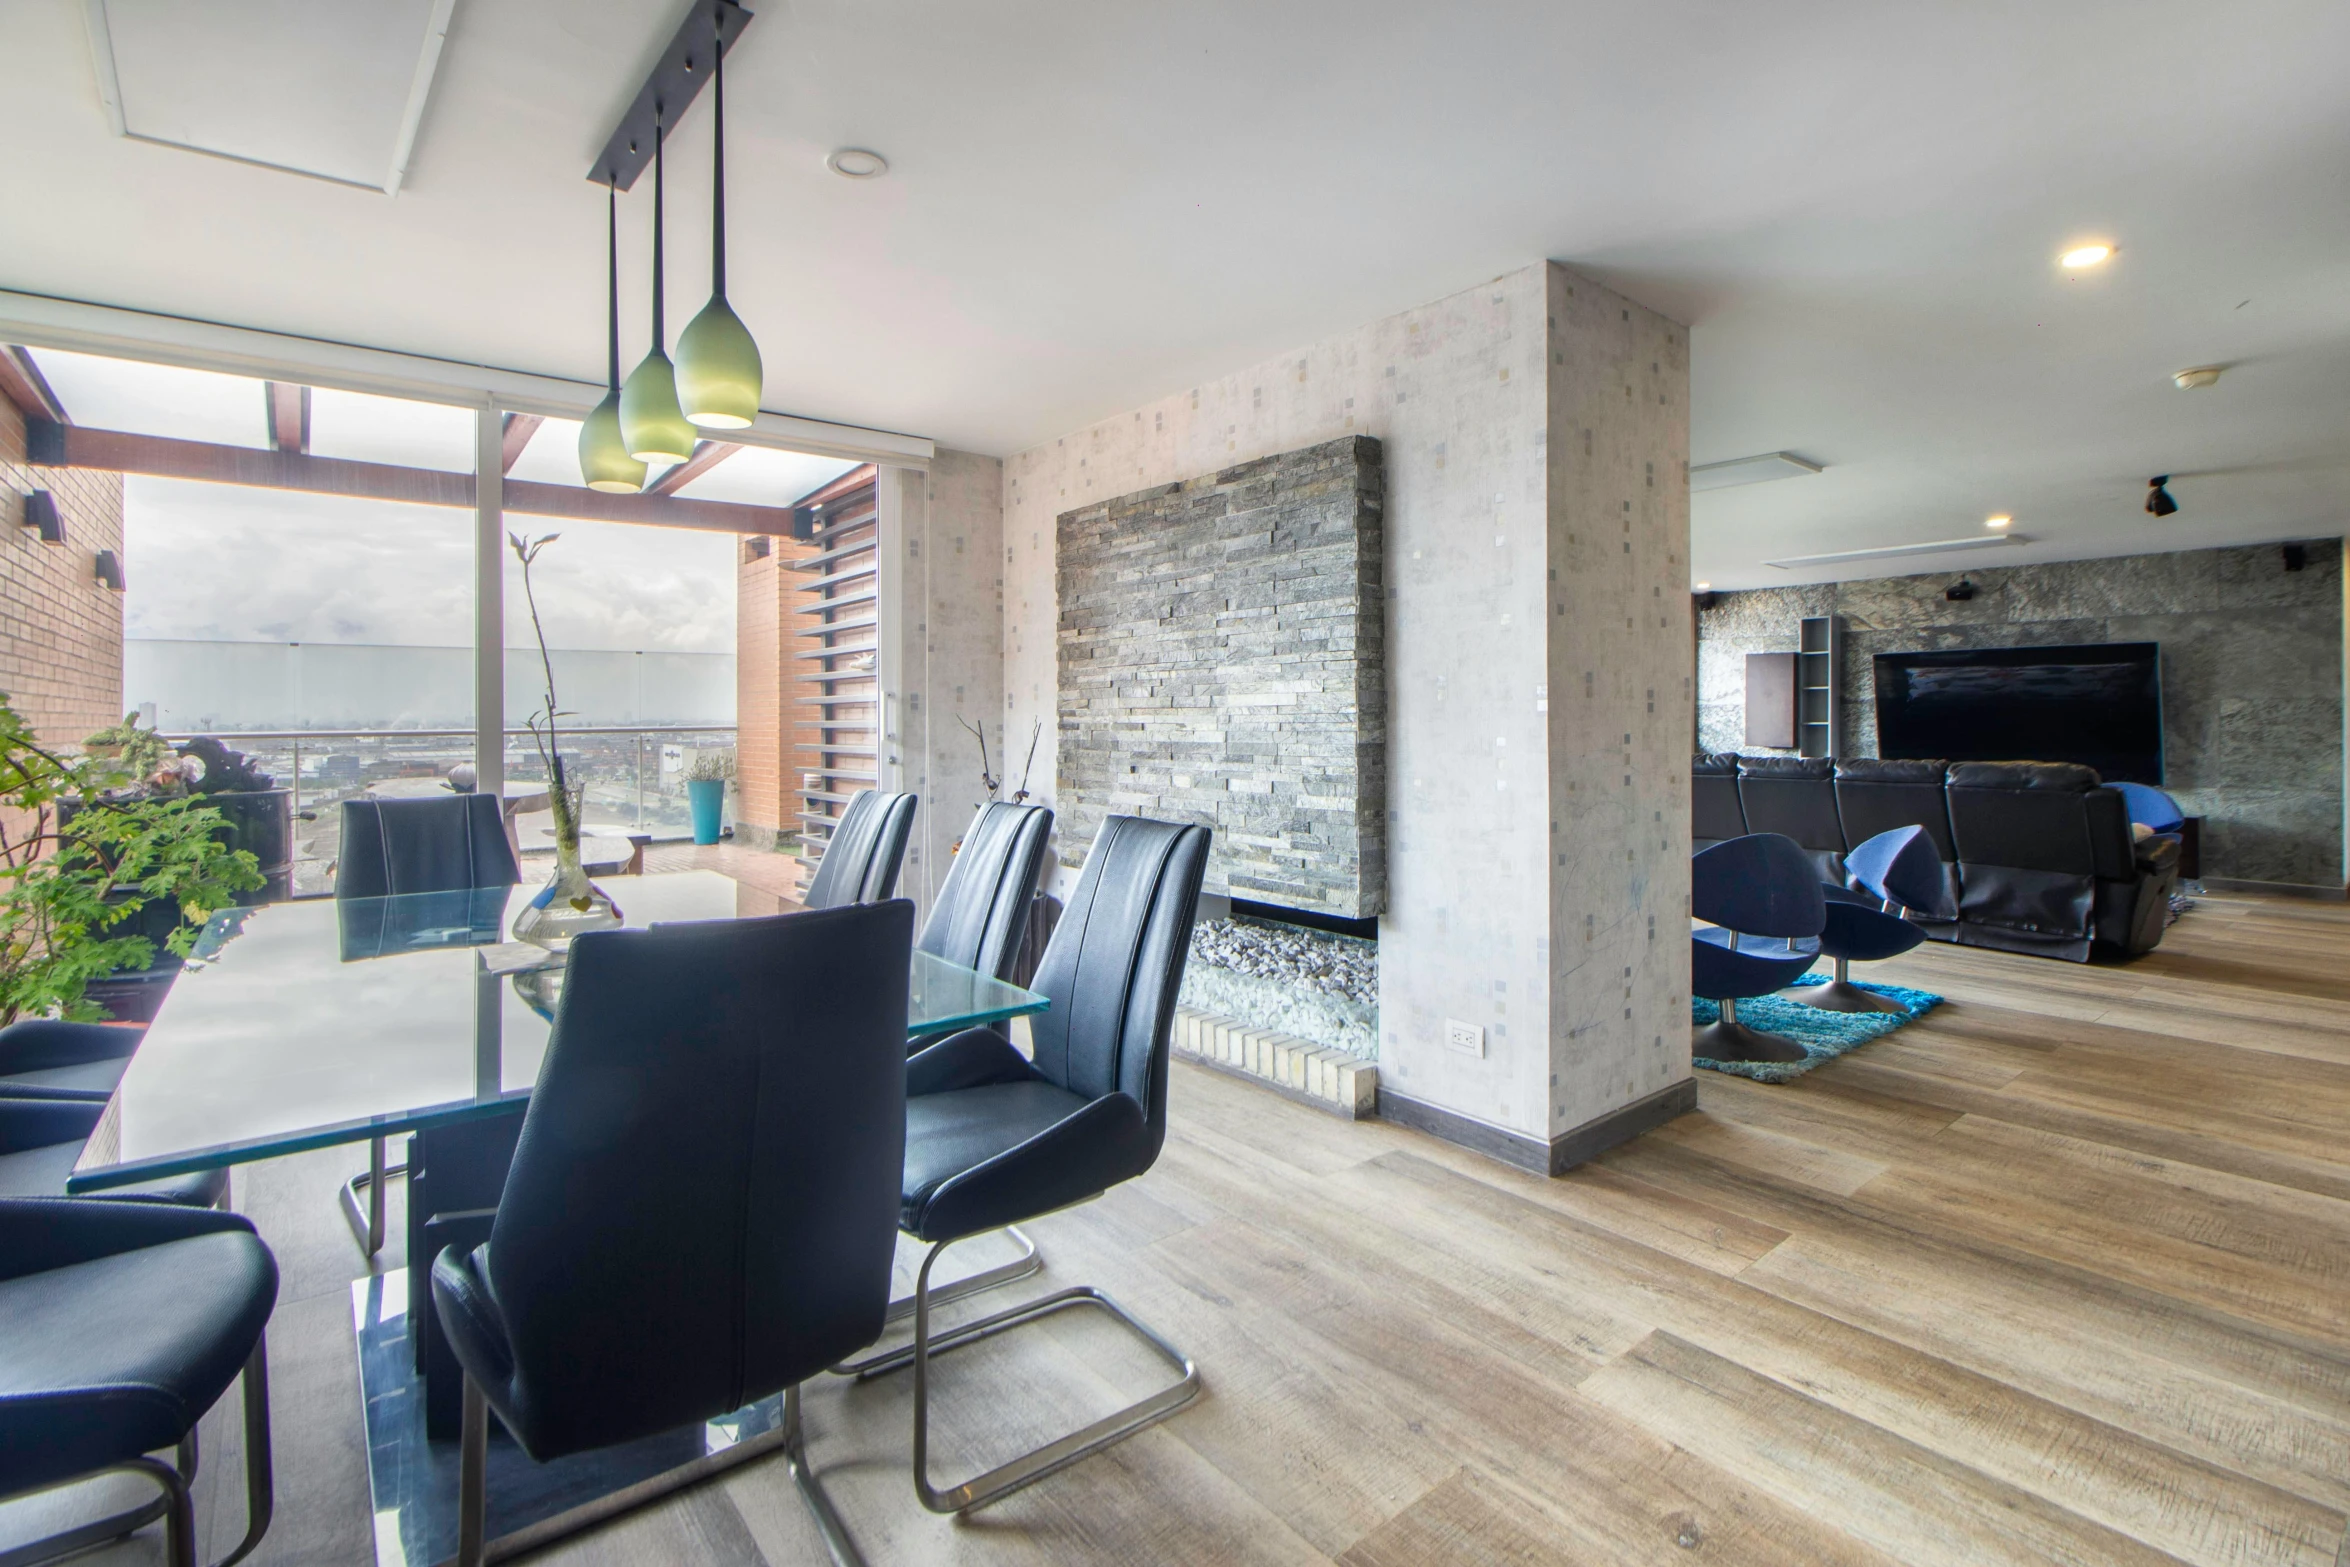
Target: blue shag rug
x=1823, y=1035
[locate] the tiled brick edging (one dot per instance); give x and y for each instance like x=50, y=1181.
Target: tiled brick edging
x=1327, y=1079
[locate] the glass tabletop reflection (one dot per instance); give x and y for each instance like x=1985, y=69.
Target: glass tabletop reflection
x=299, y=1025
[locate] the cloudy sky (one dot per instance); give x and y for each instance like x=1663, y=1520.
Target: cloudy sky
x=217, y=563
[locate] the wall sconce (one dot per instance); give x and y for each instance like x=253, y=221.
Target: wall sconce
x=42, y=515
x=110, y=570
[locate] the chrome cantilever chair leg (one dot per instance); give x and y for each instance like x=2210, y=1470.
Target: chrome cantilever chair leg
x=367, y=1223
x=901, y=1308
x=1034, y=1465
x=475, y=1547
x=176, y=1506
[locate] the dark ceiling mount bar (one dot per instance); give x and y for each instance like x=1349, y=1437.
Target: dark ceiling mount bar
x=684, y=67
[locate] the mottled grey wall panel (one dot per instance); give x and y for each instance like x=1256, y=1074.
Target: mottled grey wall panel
x=1222, y=660
x=2251, y=675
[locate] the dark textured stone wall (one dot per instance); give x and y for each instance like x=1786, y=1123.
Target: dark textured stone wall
x=2251, y=675
x=1222, y=661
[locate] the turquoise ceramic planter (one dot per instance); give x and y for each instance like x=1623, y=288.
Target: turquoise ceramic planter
x=705, y=797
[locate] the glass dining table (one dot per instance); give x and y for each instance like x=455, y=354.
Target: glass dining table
x=300, y=1025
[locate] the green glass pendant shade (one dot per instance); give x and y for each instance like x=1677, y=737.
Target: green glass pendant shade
x=650, y=424
x=603, y=456
x=718, y=371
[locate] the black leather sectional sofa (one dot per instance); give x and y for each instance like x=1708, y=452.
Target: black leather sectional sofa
x=2038, y=855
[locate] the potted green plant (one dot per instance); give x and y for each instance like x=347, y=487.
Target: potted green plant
x=706, y=778
x=75, y=885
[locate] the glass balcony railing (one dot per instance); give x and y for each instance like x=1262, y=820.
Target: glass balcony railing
x=635, y=778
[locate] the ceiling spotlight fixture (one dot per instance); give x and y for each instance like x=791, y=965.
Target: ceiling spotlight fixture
x=651, y=423
x=2085, y=256
x=857, y=163
x=719, y=376
x=604, y=462
x=2001, y=521
x=2158, y=501
x=2197, y=378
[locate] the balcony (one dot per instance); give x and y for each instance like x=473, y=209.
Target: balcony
x=635, y=777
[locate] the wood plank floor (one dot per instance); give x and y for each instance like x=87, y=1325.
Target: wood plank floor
x=2060, y=1274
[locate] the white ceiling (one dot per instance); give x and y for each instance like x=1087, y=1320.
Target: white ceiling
x=1856, y=206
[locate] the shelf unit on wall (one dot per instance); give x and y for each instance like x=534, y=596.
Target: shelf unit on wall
x=836, y=640
x=1819, y=686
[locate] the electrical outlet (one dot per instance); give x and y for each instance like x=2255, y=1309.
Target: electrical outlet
x=1466, y=1038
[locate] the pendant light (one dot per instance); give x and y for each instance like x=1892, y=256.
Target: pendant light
x=603, y=456
x=718, y=371
x=649, y=419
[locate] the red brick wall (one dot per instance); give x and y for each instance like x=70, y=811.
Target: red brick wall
x=60, y=628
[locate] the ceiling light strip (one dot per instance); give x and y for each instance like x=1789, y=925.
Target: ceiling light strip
x=1975, y=541
x=1758, y=469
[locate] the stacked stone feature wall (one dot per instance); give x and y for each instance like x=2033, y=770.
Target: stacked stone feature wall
x=1222, y=661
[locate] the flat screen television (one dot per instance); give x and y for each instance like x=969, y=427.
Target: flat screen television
x=2100, y=706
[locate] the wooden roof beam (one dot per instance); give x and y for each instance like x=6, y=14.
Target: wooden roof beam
x=517, y=430
x=22, y=383
x=287, y=408
x=56, y=445
x=706, y=456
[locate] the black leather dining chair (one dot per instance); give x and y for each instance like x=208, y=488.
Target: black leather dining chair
x=40, y=1140
x=702, y=1207
x=981, y=921
x=982, y=910
x=393, y=848
x=126, y=1322
x=439, y=843
x=862, y=857
x=993, y=1138
x=48, y=1058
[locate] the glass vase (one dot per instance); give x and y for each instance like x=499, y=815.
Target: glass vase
x=568, y=904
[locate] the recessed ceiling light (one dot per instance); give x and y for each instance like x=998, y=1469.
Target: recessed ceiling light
x=1703, y=586
x=1999, y=522
x=2086, y=256
x=857, y=163
x=2200, y=376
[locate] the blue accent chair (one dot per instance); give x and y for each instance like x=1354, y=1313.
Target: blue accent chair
x=1762, y=896
x=1895, y=870
x=2154, y=810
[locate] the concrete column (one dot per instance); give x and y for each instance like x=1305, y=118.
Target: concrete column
x=1621, y=698
x=489, y=601
x=941, y=656
x=1518, y=421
